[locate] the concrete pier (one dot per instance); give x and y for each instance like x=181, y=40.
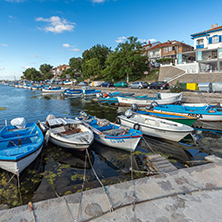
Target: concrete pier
x=190, y=194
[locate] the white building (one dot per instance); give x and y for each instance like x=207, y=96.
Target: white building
x=208, y=51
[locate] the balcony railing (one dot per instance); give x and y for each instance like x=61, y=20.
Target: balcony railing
x=201, y=46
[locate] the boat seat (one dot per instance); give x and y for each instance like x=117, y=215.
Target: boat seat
x=115, y=132
x=77, y=135
x=2, y=139
x=71, y=131
x=14, y=152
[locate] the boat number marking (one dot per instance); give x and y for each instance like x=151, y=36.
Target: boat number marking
x=117, y=141
x=196, y=115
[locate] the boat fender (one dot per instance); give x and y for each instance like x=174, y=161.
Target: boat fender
x=118, y=121
x=154, y=103
x=136, y=126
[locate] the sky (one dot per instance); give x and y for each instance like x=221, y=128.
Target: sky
x=36, y=32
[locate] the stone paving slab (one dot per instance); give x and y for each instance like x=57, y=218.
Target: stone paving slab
x=190, y=194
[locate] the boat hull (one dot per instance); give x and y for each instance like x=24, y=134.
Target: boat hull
x=201, y=117
x=68, y=144
x=124, y=143
x=155, y=130
x=142, y=102
x=18, y=166
x=125, y=139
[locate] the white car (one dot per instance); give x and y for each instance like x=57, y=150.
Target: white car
x=96, y=83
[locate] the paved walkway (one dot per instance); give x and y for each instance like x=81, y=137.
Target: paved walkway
x=190, y=194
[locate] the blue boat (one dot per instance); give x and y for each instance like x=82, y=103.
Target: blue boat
x=112, y=135
x=73, y=92
x=203, y=113
x=112, y=97
x=90, y=92
x=19, y=146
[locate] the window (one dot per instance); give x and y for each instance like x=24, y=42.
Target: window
x=215, y=39
x=170, y=48
x=200, y=41
x=166, y=50
x=214, y=54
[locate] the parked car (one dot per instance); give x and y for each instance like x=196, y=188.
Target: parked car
x=82, y=84
x=138, y=85
x=121, y=84
x=107, y=84
x=95, y=83
x=158, y=85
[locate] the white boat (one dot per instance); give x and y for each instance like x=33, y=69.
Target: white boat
x=51, y=89
x=172, y=98
x=67, y=133
x=152, y=126
x=111, y=134
x=19, y=146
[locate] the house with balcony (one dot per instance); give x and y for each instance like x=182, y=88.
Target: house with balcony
x=167, y=50
x=57, y=71
x=208, y=47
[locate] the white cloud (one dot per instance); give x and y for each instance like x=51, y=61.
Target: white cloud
x=98, y=1
x=121, y=39
x=3, y=44
x=66, y=45
x=144, y=40
x=56, y=24
x=2, y=68
x=26, y=67
x=17, y=1
x=33, y=56
x=75, y=50
x=152, y=40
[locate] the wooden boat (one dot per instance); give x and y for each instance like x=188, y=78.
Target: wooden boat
x=155, y=127
x=19, y=146
x=179, y=118
x=127, y=101
x=111, y=98
x=203, y=113
x=51, y=89
x=87, y=91
x=67, y=133
x=73, y=92
x=111, y=134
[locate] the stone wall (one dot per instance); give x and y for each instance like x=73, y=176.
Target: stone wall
x=169, y=72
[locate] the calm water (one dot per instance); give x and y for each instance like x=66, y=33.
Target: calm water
x=58, y=172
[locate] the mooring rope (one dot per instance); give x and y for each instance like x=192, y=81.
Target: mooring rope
x=83, y=185
x=104, y=188
x=8, y=181
x=148, y=144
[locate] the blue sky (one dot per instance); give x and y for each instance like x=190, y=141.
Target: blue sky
x=35, y=32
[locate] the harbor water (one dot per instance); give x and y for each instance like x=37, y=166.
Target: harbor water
x=57, y=171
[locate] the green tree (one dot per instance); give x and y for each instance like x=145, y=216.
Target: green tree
x=91, y=68
x=100, y=52
x=75, y=66
x=126, y=61
x=32, y=74
x=45, y=71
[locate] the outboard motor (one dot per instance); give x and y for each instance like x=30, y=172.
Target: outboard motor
x=99, y=95
x=128, y=113
x=152, y=105
x=134, y=107
x=83, y=114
